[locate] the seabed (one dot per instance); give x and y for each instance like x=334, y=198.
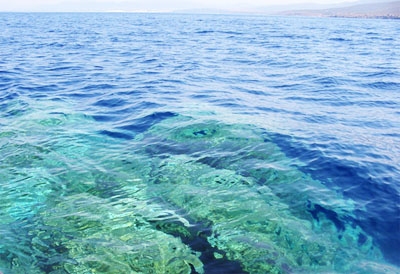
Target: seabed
x=175, y=196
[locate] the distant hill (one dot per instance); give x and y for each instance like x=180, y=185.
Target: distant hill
x=361, y=9
x=390, y=10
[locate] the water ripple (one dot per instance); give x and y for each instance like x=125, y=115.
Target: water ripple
x=181, y=143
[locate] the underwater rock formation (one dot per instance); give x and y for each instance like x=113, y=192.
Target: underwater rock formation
x=185, y=197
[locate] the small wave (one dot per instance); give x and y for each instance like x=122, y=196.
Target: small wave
x=65, y=68
x=111, y=103
x=142, y=124
x=381, y=85
x=97, y=87
x=339, y=39
x=115, y=134
x=204, y=31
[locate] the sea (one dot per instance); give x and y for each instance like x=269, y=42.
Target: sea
x=198, y=143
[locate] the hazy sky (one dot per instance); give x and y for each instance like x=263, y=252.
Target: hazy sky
x=156, y=5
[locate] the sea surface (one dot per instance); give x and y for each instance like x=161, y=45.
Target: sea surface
x=178, y=143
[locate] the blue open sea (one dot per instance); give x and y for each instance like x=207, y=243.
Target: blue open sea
x=178, y=143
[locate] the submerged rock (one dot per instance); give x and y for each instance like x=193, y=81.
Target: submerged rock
x=234, y=178
x=183, y=198
x=110, y=238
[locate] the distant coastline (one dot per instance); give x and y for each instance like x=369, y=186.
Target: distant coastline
x=386, y=10
x=389, y=9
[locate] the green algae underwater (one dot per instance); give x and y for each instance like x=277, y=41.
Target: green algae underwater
x=181, y=195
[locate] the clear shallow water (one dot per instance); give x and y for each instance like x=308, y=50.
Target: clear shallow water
x=160, y=143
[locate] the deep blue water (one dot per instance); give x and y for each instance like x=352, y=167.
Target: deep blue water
x=171, y=143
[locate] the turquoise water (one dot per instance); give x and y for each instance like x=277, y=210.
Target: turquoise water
x=162, y=143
